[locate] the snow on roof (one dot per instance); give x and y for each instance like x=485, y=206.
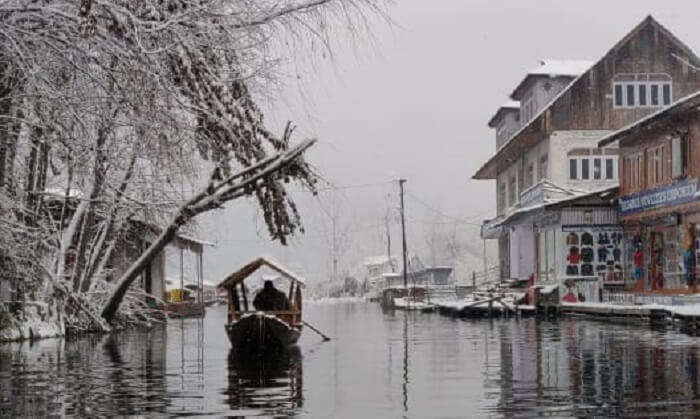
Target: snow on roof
x=252, y=266
x=554, y=67
x=511, y=105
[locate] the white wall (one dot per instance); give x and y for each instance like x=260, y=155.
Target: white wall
x=522, y=251
x=561, y=142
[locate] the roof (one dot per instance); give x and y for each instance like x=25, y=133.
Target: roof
x=510, y=106
x=488, y=169
x=252, y=266
x=572, y=200
x=675, y=108
x=558, y=203
x=554, y=68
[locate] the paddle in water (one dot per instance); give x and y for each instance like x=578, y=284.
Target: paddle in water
x=325, y=338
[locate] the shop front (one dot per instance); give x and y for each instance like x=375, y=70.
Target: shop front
x=662, y=233
x=580, y=249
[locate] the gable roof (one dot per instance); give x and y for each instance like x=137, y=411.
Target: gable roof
x=510, y=106
x=252, y=266
x=552, y=68
x=488, y=169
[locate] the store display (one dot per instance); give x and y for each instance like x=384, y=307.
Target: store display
x=594, y=253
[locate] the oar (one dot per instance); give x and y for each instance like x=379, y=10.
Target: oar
x=325, y=338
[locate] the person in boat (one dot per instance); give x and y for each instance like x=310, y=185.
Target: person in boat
x=271, y=299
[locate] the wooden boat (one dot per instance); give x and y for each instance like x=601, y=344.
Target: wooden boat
x=250, y=330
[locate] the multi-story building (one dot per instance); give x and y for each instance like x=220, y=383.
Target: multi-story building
x=660, y=202
x=552, y=155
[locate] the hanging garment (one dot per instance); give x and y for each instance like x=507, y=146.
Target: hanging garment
x=572, y=270
x=587, y=269
x=602, y=254
x=572, y=239
x=587, y=254
x=574, y=256
x=617, y=253
x=639, y=259
x=587, y=239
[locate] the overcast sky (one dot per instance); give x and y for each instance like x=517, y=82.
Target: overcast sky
x=416, y=106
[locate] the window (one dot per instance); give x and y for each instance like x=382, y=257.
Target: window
x=542, y=168
x=630, y=95
x=511, y=191
x=601, y=162
x=527, y=108
x=642, y=95
x=573, y=165
x=609, y=168
x=642, y=90
x=618, y=95
x=501, y=197
x=585, y=175
x=530, y=175
x=597, y=169
x=678, y=158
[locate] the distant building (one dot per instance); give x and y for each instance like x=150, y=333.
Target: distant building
x=565, y=108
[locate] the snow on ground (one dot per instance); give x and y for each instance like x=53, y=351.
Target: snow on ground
x=39, y=322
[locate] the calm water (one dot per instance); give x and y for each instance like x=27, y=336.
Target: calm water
x=377, y=365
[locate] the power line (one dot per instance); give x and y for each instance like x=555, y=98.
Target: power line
x=361, y=185
x=437, y=211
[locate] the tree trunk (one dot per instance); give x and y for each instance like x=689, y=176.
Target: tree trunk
x=214, y=195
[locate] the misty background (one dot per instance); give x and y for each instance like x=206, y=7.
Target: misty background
x=413, y=102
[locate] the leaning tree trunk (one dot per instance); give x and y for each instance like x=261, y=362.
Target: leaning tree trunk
x=213, y=196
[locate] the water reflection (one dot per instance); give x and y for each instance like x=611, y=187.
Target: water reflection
x=377, y=365
x=583, y=368
x=271, y=383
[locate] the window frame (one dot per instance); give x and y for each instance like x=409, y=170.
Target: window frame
x=659, y=83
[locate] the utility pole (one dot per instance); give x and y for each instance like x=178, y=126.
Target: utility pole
x=403, y=233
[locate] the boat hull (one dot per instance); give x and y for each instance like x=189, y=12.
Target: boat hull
x=258, y=332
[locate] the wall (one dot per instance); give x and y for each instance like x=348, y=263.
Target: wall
x=511, y=120
x=561, y=142
x=588, y=104
x=522, y=252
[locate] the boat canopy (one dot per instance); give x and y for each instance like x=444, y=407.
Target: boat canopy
x=248, y=269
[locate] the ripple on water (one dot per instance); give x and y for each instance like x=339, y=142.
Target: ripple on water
x=379, y=364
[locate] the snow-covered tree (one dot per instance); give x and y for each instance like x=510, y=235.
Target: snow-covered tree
x=111, y=110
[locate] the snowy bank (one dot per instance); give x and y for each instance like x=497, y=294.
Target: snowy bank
x=37, y=321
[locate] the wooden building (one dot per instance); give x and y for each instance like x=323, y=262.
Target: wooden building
x=565, y=108
x=659, y=202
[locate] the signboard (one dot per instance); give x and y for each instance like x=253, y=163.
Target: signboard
x=674, y=194
x=534, y=195
x=594, y=227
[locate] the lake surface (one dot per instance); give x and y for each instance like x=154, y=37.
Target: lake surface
x=379, y=364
